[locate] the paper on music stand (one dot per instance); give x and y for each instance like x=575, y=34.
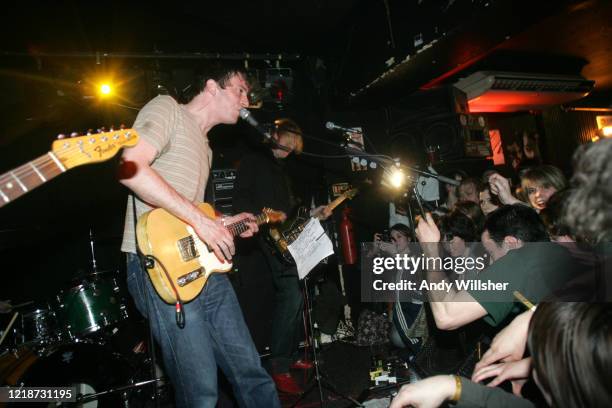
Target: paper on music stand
x=311, y=247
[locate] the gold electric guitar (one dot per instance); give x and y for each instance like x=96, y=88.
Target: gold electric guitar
x=183, y=261
x=65, y=154
x=289, y=230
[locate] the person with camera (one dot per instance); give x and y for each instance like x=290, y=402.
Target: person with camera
x=408, y=324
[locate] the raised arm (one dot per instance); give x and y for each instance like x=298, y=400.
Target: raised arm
x=451, y=309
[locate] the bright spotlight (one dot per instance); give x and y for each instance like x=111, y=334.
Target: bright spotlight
x=105, y=89
x=396, y=178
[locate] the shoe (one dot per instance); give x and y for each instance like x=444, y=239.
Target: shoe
x=302, y=365
x=286, y=383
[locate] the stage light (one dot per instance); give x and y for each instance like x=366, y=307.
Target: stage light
x=105, y=89
x=607, y=131
x=396, y=177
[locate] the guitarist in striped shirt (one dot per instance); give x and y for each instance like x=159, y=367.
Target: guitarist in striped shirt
x=169, y=169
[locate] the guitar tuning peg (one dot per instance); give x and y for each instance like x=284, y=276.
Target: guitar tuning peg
x=89, y=132
x=61, y=136
x=102, y=129
x=122, y=126
x=74, y=134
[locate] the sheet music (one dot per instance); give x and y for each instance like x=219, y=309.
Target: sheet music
x=311, y=247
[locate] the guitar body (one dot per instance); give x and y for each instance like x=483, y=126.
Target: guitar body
x=281, y=236
x=186, y=258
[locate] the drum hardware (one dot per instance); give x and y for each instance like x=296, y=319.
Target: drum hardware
x=90, y=367
x=8, y=328
x=94, y=396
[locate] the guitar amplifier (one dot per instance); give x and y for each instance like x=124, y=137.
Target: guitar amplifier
x=221, y=189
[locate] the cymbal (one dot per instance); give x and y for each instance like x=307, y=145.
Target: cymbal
x=6, y=306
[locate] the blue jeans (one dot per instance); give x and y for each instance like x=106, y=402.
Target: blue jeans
x=214, y=333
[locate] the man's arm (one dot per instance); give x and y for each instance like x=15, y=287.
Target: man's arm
x=451, y=308
x=459, y=309
x=137, y=174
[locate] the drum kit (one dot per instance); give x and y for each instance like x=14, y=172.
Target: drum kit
x=81, y=338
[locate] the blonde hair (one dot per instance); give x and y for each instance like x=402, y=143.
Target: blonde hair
x=545, y=176
x=287, y=128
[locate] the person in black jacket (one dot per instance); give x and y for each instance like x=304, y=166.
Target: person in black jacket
x=264, y=182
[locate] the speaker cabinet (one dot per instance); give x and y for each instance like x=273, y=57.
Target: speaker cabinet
x=445, y=137
x=220, y=189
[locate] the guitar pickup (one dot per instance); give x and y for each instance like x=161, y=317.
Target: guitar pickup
x=187, y=248
x=190, y=277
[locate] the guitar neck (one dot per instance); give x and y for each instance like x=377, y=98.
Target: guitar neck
x=17, y=182
x=239, y=227
x=331, y=206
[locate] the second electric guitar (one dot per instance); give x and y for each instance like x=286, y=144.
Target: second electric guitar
x=282, y=236
x=186, y=258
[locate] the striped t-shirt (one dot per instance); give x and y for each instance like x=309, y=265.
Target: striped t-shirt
x=183, y=155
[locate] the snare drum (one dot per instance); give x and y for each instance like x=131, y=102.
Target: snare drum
x=90, y=306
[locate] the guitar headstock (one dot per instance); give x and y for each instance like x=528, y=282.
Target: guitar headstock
x=273, y=216
x=93, y=148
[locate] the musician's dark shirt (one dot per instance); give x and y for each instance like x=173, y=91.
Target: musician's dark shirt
x=262, y=182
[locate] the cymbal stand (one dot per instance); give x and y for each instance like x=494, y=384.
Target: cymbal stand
x=93, y=252
x=94, y=396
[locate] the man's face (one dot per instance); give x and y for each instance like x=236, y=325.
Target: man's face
x=467, y=192
x=494, y=250
x=285, y=141
x=232, y=98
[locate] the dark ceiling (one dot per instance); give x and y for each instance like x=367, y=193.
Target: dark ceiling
x=203, y=26
x=350, y=42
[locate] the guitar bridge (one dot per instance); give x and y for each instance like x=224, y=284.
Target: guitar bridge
x=190, y=277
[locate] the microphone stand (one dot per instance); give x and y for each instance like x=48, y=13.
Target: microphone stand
x=321, y=380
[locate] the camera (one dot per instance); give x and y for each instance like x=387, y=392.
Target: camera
x=385, y=236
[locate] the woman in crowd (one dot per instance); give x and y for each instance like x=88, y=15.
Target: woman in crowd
x=538, y=184
x=571, y=349
x=488, y=202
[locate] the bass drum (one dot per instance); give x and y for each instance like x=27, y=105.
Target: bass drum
x=90, y=368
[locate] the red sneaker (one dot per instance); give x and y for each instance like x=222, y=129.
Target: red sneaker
x=302, y=365
x=286, y=383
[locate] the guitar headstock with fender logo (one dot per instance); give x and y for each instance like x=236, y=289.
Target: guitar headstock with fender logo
x=92, y=148
x=66, y=153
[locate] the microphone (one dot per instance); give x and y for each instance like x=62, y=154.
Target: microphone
x=447, y=180
x=333, y=126
x=245, y=114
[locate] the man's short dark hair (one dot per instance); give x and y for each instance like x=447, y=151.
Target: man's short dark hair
x=458, y=224
x=223, y=73
x=516, y=220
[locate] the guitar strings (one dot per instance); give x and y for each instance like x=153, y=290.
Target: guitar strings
x=41, y=163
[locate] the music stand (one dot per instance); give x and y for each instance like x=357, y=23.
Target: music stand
x=321, y=380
